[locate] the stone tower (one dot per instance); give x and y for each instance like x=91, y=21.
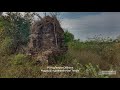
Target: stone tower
x=47, y=37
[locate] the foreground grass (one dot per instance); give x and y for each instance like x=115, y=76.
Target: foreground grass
x=89, y=58
x=29, y=70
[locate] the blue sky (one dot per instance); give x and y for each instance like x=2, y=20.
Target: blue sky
x=74, y=15
x=88, y=24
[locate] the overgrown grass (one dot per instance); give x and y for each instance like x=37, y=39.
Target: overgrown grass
x=88, y=57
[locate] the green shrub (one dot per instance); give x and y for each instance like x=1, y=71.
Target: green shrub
x=19, y=59
x=6, y=46
x=91, y=71
x=68, y=37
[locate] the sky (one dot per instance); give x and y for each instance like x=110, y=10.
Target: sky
x=86, y=25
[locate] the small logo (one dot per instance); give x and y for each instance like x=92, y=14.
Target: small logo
x=107, y=73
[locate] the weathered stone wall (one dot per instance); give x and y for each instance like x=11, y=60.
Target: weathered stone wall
x=47, y=36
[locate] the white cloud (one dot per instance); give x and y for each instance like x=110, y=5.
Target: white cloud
x=107, y=23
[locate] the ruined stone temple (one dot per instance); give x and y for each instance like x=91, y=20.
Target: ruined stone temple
x=46, y=39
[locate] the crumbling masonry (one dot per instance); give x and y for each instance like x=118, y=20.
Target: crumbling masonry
x=46, y=39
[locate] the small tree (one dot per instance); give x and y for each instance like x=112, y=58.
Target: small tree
x=15, y=26
x=68, y=37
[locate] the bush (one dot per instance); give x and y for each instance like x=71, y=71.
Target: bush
x=19, y=59
x=68, y=37
x=17, y=27
x=91, y=71
x=6, y=46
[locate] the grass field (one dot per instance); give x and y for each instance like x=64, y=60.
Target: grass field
x=88, y=57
